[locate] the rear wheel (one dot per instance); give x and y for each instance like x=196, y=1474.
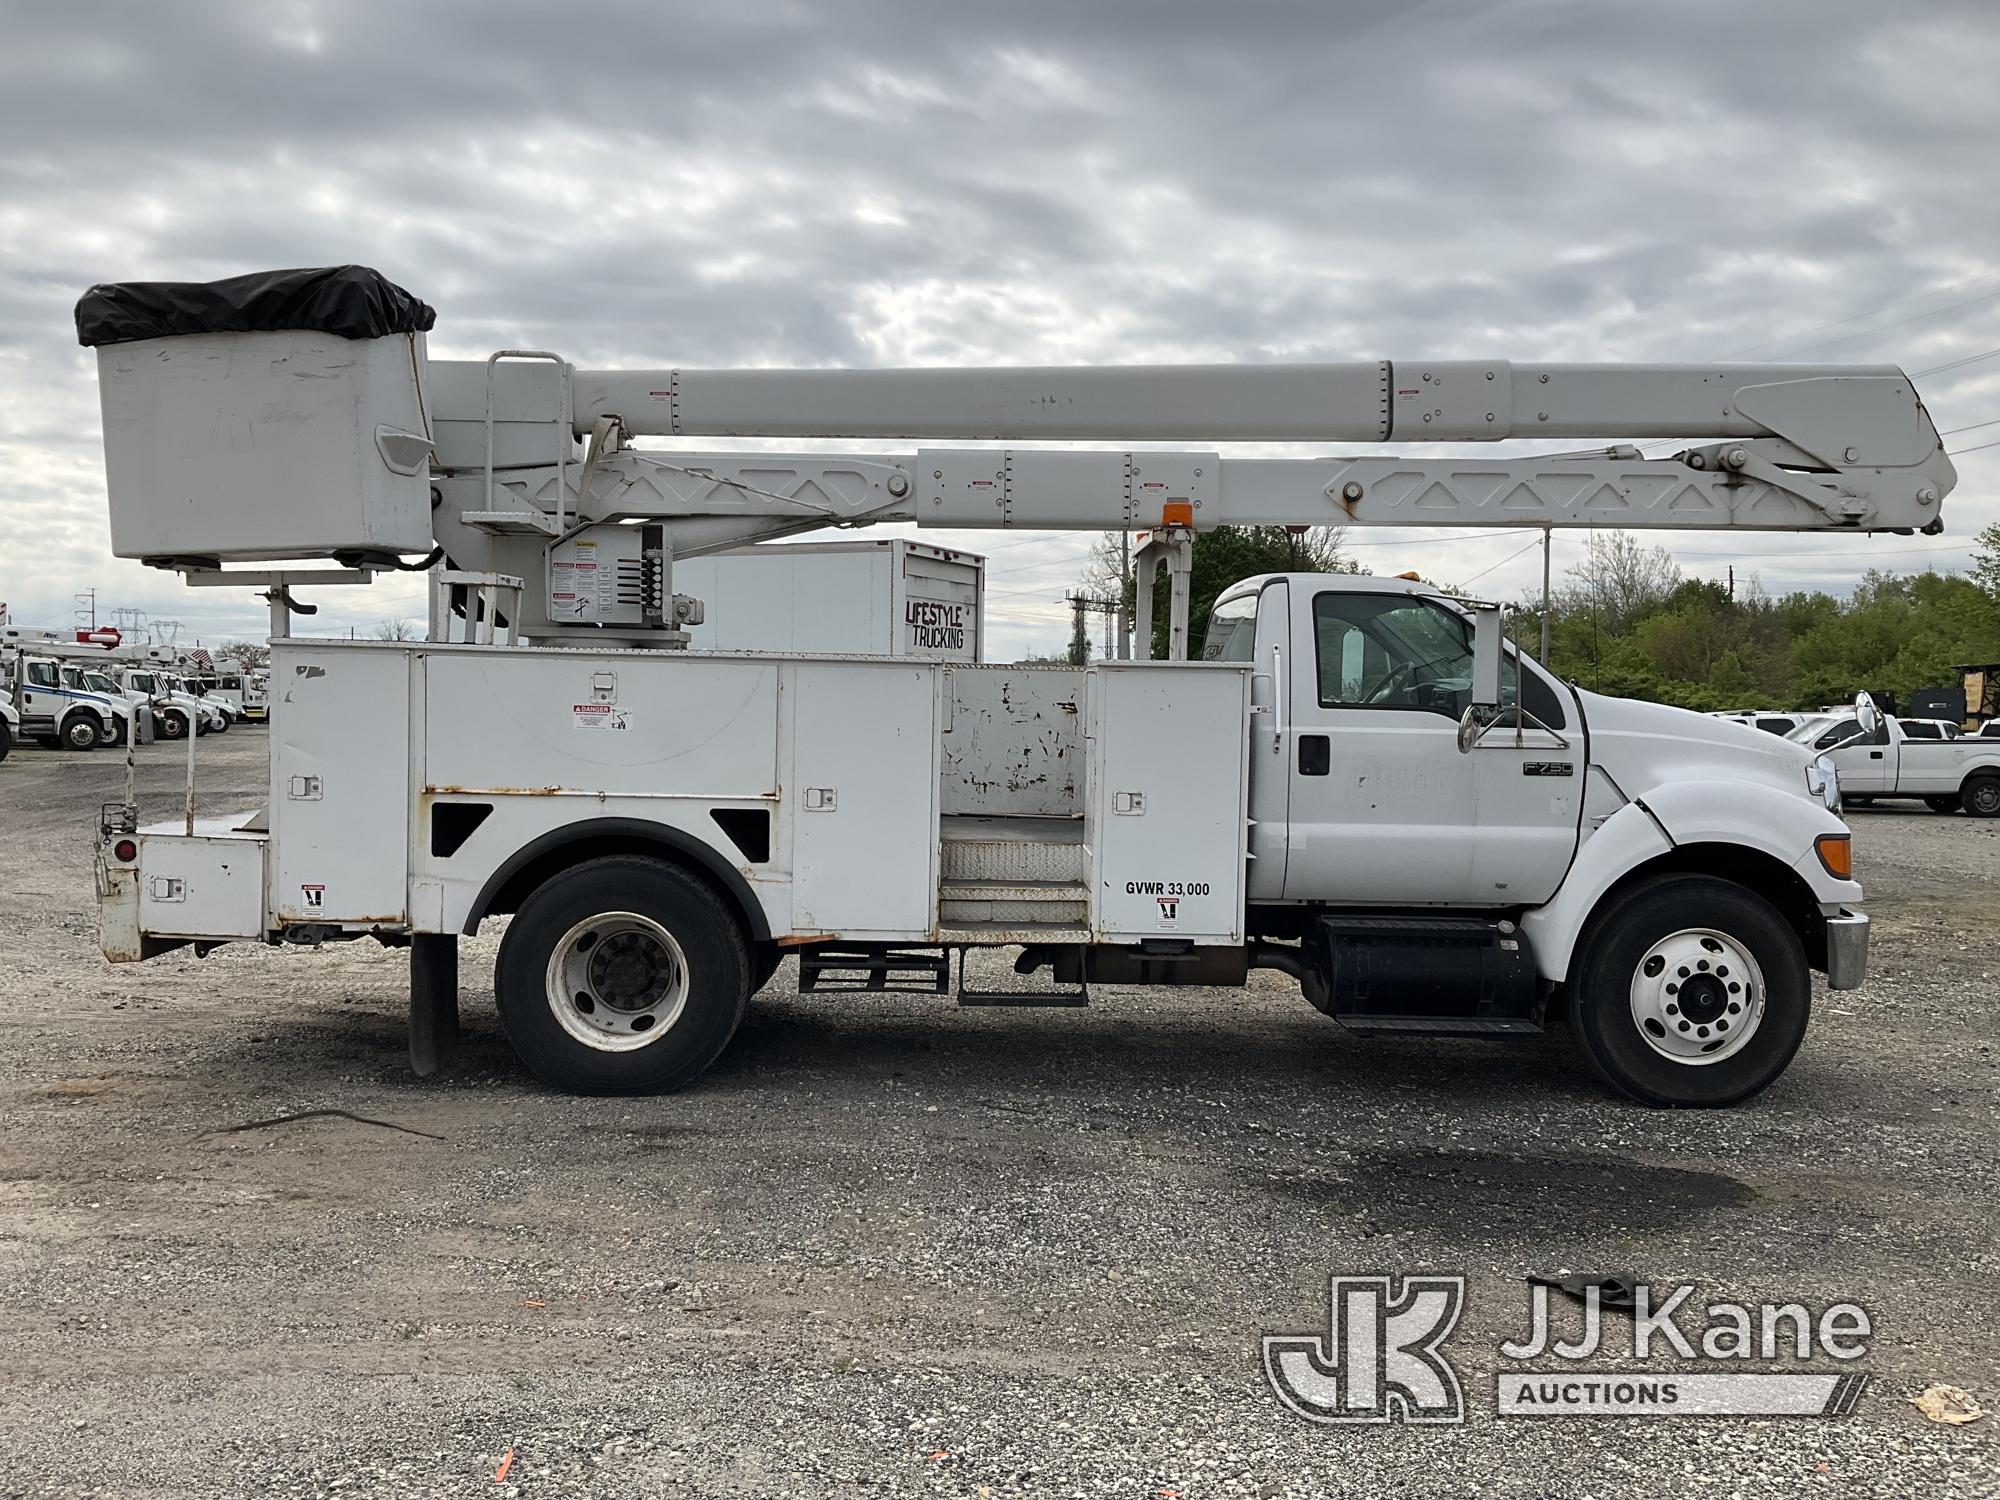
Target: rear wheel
x=1690, y=991
x=1981, y=796
x=80, y=732
x=1946, y=804
x=623, y=975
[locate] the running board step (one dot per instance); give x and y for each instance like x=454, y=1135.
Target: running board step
x=874, y=970
x=1024, y=999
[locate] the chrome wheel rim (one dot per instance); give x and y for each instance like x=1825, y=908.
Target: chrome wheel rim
x=1697, y=996
x=617, y=981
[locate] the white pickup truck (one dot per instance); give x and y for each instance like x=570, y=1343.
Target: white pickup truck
x=1911, y=759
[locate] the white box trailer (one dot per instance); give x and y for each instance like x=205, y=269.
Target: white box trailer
x=890, y=597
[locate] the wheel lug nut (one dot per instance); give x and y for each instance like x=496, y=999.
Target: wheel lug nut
x=1734, y=1007
x=1684, y=1026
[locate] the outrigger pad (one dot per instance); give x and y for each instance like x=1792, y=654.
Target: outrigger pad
x=433, y=1001
x=355, y=302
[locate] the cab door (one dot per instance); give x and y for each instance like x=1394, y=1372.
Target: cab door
x=1384, y=809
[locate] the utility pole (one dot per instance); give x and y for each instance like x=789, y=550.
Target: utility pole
x=1548, y=537
x=1124, y=584
x=1732, y=583
x=87, y=601
x=1079, y=643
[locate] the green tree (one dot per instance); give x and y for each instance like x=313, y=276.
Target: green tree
x=1225, y=555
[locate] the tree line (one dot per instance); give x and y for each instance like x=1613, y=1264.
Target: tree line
x=1625, y=620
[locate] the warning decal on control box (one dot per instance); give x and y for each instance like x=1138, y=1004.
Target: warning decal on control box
x=598, y=716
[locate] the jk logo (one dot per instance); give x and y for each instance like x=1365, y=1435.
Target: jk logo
x=1379, y=1361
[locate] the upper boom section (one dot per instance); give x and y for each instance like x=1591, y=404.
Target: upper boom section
x=1357, y=402
x=296, y=415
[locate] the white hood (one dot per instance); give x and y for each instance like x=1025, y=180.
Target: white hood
x=1643, y=745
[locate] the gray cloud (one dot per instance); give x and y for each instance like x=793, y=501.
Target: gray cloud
x=1039, y=182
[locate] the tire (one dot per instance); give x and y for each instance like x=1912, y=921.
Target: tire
x=1981, y=795
x=171, y=725
x=200, y=726
x=79, y=732
x=222, y=725
x=1632, y=1027
x=1945, y=804
x=6, y=739
x=663, y=1008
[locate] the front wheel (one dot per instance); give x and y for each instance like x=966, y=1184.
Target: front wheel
x=1690, y=991
x=171, y=726
x=80, y=732
x=6, y=739
x=624, y=975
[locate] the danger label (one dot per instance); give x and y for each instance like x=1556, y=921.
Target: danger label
x=598, y=716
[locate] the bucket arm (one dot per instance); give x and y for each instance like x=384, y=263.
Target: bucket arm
x=1769, y=447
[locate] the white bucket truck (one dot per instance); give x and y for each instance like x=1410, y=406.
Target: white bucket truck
x=1365, y=787
x=52, y=702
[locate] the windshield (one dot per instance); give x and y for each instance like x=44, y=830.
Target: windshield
x=143, y=681
x=1808, y=729
x=99, y=683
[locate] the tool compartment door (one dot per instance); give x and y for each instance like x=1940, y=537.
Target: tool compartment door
x=340, y=784
x=862, y=798
x=1167, y=803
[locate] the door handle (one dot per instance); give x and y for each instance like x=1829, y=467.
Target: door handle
x=1315, y=755
x=1277, y=699
x=1874, y=754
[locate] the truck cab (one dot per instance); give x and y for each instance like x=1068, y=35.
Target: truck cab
x=58, y=709
x=1391, y=818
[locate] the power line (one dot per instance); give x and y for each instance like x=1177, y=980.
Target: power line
x=1857, y=317
x=1974, y=448
x=1500, y=564
x=1848, y=338
x=1970, y=359
x=1969, y=426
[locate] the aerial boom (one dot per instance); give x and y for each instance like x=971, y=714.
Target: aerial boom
x=270, y=419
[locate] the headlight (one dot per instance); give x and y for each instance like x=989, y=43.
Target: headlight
x=1823, y=781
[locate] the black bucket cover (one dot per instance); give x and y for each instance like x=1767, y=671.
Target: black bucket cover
x=352, y=301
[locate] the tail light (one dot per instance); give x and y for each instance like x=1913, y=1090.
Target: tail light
x=125, y=851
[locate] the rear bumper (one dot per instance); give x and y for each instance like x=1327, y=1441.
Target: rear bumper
x=1846, y=950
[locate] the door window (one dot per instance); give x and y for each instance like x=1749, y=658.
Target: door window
x=1915, y=729
x=41, y=674
x=1391, y=651
x=1845, y=730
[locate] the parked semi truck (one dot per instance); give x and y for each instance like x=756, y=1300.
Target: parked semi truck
x=1364, y=787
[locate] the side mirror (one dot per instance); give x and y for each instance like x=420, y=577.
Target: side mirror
x=1867, y=714
x=1487, y=640
x=1473, y=723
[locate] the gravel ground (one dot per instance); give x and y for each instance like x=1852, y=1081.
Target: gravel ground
x=891, y=1247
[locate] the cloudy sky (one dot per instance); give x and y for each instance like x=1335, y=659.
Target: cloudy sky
x=1087, y=181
